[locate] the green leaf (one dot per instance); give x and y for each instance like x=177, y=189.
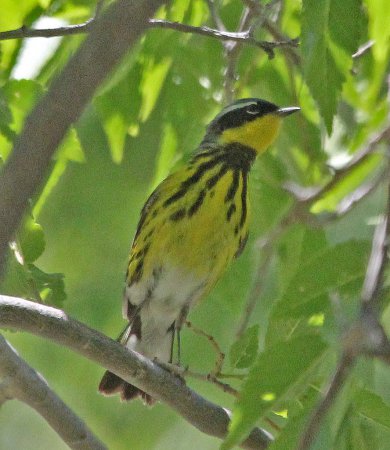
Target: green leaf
x=243, y=352
x=26, y=280
x=371, y=406
x=152, y=82
x=273, y=374
x=18, y=97
x=16, y=280
x=353, y=179
x=321, y=72
x=116, y=130
x=118, y=106
x=50, y=285
x=345, y=23
x=329, y=270
x=70, y=148
x=54, y=177
x=5, y=118
x=357, y=433
x=379, y=30
x=31, y=240
x=297, y=245
x=166, y=155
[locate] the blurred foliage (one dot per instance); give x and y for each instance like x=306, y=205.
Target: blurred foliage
x=148, y=117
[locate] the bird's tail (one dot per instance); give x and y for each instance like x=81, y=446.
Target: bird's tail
x=112, y=384
x=157, y=343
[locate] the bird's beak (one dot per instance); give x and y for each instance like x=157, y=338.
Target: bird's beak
x=283, y=112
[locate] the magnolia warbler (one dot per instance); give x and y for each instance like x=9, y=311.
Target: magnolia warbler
x=191, y=227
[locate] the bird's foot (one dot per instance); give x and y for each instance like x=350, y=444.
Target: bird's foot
x=174, y=369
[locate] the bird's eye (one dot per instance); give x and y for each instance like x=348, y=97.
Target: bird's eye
x=252, y=109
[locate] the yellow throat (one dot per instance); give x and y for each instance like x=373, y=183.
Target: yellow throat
x=257, y=134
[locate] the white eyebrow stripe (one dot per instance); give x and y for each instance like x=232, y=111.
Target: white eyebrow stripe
x=234, y=107
x=237, y=106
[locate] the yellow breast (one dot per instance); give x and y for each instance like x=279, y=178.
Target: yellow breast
x=200, y=232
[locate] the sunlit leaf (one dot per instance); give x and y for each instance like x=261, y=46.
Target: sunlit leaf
x=272, y=375
x=322, y=74
x=31, y=240
x=166, y=155
x=349, y=183
x=378, y=12
x=153, y=78
x=55, y=175
x=70, y=148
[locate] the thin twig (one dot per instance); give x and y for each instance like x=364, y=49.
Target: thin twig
x=26, y=32
x=344, y=368
x=363, y=49
x=345, y=206
x=26, y=385
x=355, y=197
x=214, y=380
x=183, y=372
x=215, y=15
x=311, y=195
x=373, y=281
x=266, y=249
x=232, y=54
x=375, y=340
x=243, y=37
x=233, y=376
x=273, y=30
x=220, y=354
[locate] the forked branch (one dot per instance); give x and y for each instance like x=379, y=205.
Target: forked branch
x=23, y=383
x=55, y=325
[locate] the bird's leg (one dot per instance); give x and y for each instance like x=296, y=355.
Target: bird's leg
x=178, y=326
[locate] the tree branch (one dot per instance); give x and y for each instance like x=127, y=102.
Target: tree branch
x=111, y=36
x=272, y=29
x=310, y=195
x=232, y=55
x=23, y=383
x=26, y=32
x=55, y=325
x=243, y=37
x=344, y=368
